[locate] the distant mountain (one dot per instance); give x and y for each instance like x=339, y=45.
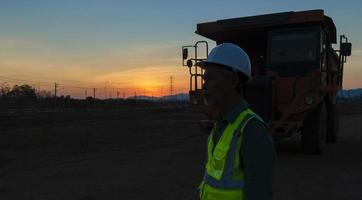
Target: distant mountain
x=142, y=97
x=353, y=94
x=175, y=97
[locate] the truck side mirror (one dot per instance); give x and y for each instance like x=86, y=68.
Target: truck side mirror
x=346, y=49
x=185, y=53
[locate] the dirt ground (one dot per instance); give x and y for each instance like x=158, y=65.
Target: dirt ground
x=154, y=154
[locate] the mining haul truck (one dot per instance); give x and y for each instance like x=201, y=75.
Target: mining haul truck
x=296, y=72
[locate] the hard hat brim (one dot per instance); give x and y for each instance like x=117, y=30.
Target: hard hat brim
x=203, y=65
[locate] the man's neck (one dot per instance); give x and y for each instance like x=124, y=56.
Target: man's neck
x=228, y=104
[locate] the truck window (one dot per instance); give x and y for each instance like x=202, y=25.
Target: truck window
x=292, y=47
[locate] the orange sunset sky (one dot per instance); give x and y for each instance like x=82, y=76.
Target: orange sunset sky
x=130, y=46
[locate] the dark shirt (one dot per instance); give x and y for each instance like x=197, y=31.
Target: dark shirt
x=257, y=155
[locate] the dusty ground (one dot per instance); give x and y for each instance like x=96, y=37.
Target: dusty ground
x=154, y=154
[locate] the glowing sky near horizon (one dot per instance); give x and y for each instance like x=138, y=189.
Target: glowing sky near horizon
x=132, y=46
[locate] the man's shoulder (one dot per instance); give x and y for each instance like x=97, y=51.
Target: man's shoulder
x=256, y=122
x=256, y=125
x=256, y=133
x=253, y=118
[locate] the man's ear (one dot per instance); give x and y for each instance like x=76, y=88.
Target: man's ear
x=235, y=81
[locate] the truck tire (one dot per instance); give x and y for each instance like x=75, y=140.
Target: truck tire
x=332, y=123
x=314, y=130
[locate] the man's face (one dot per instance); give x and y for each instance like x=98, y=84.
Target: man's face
x=217, y=84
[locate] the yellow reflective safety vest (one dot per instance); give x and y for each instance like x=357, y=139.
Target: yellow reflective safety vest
x=224, y=177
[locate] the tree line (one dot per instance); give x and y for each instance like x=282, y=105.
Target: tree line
x=23, y=92
x=20, y=97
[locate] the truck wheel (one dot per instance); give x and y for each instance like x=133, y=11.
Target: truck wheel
x=314, y=130
x=332, y=124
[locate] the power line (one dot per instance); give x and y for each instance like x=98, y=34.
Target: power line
x=96, y=90
x=77, y=81
x=43, y=82
x=23, y=80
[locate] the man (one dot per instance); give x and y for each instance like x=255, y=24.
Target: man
x=241, y=153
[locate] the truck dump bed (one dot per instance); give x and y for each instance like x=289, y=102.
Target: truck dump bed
x=232, y=30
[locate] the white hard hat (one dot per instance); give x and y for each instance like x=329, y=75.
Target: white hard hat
x=230, y=55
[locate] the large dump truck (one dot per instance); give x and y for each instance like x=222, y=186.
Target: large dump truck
x=296, y=72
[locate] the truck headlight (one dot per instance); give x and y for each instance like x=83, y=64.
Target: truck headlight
x=308, y=100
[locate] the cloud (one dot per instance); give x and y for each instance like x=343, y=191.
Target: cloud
x=134, y=67
x=147, y=77
x=22, y=47
x=356, y=52
x=17, y=42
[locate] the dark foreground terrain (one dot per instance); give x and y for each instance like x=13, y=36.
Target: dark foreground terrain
x=154, y=154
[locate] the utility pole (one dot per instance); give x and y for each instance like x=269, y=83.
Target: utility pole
x=94, y=93
x=135, y=95
x=117, y=94
x=55, y=89
x=105, y=90
x=110, y=90
x=171, y=85
x=55, y=95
